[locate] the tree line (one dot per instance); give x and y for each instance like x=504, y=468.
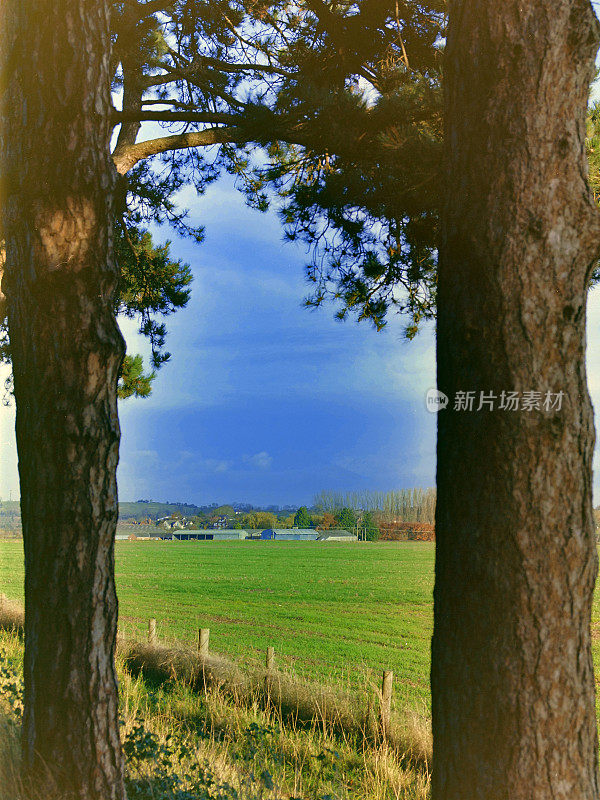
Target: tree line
x=401, y=505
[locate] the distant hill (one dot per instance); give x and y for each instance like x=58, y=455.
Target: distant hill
x=10, y=512
x=154, y=510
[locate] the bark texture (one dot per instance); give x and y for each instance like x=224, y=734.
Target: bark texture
x=59, y=280
x=512, y=679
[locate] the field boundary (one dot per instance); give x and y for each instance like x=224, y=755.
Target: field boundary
x=368, y=717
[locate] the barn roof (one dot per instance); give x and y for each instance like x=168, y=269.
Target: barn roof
x=305, y=531
x=227, y=530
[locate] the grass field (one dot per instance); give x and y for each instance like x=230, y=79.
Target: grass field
x=337, y=613
x=332, y=611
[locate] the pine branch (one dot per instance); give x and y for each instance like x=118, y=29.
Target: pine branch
x=173, y=116
x=128, y=156
x=216, y=64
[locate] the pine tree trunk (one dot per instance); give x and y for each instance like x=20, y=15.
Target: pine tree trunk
x=512, y=677
x=66, y=351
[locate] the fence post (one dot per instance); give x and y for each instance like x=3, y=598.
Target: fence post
x=203, y=639
x=270, y=664
x=152, y=631
x=270, y=659
x=386, y=701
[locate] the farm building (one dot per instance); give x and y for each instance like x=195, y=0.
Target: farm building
x=337, y=535
x=184, y=536
x=229, y=533
x=289, y=534
x=216, y=535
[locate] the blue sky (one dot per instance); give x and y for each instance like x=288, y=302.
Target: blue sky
x=265, y=401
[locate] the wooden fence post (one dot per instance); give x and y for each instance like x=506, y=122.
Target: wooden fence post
x=203, y=639
x=270, y=664
x=270, y=659
x=152, y=631
x=386, y=701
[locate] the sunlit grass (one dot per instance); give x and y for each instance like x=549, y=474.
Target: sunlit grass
x=334, y=612
x=215, y=746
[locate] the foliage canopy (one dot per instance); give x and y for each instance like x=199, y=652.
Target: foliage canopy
x=329, y=110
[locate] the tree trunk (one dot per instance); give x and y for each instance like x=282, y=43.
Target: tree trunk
x=66, y=350
x=512, y=677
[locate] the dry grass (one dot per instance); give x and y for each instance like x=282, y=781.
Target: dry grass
x=292, y=701
x=12, y=616
x=245, y=734
x=305, y=760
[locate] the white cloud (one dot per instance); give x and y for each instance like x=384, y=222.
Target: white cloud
x=150, y=458
x=215, y=208
x=395, y=368
x=212, y=465
x=260, y=460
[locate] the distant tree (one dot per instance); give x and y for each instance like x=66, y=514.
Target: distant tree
x=346, y=518
x=369, y=527
x=286, y=522
x=302, y=518
x=224, y=511
x=266, y=519
x=327, y=521
x=407, y=505
x=260, y=520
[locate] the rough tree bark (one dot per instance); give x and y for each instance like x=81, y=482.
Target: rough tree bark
x=512, y=679
x=60, y=278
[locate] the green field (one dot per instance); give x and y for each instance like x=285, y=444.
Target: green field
x=332, y=611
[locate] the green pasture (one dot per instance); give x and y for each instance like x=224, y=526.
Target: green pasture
x=334, y=612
